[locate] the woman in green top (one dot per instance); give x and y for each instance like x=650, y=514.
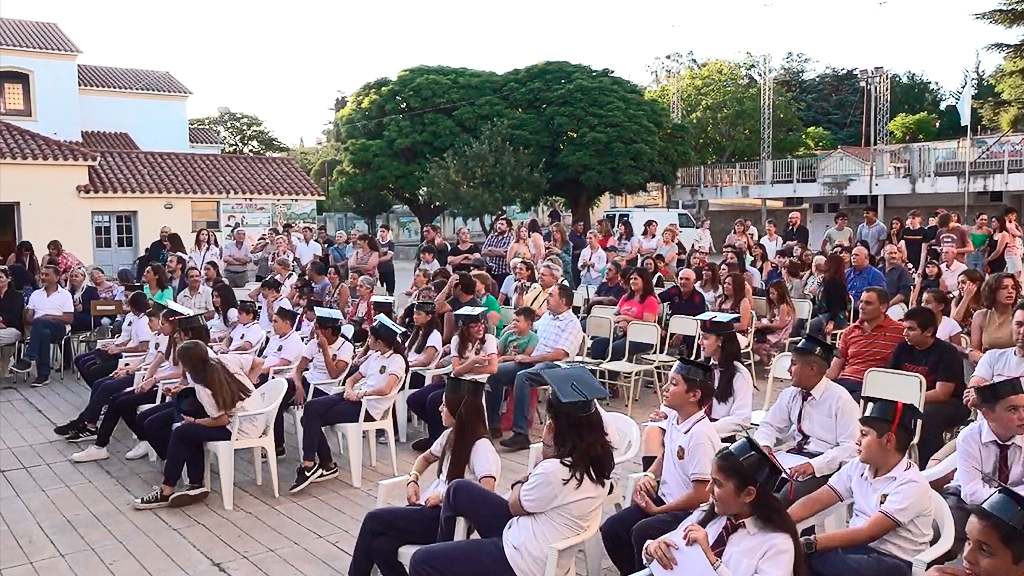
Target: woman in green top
x=980, y=234
x=156, y=286
x=487, y=300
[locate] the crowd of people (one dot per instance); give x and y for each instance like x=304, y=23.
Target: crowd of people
x=710, y=479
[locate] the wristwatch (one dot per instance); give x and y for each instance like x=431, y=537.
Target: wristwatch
x=809, y=544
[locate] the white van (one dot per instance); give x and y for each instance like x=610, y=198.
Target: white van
x=637, y=216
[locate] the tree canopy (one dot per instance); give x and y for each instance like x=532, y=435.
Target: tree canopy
x=241, y=133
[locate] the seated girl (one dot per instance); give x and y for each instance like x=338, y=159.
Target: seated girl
x=773, y=332
x=135, y=336
x=246, y=333
x=224, y=316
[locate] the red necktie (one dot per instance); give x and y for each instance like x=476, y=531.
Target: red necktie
x=1003, y=471
x=804, y=438
x=730, y=528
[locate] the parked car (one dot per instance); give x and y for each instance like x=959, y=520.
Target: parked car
x=637, y=216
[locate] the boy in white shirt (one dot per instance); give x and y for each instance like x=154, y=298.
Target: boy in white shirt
x=677, y=483
x=992, y=446
x=995, y=535
x=892, y=505
x=271, y=299
x=284, y=348
x=247, y=334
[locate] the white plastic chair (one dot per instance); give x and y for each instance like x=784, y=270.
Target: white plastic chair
x=896, y=311
x=942, y=469
x=270, y=395
x=779, y=370
x=597, y=327
x=748, y=351
x=889, y=384
x=637, y=332
x=354, y=433
x=402, y=404
x=677, y=325
x=600, y=310
x=804, y=311
x=760, y=306
x=256, y=347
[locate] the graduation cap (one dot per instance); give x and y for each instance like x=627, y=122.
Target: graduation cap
x=693, y=370
x=719, y=323
x=996, y=391
x=191, y=321
x=574, y=388
x=814, y=346
x=286, y=314
x=761, y=466
x=426, y=306
x=328, y=317
x=471, y=388
x=900, y=414
x=470, y=315
x=304, y=289
x=385, y=324
x=157, y=306
x=271, y=284
x=383, y=304
x=133, y=287
x=1006, y=505
x=178, y=310
x=313, y=303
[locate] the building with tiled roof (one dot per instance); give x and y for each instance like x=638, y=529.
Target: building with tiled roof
x=101, y=157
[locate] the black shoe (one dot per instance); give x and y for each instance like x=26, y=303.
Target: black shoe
x=81, y=435
x=327, y=473
x=155, y=499
x=423, y=444
x=65, y=429
x=192, y=494
x=280, y=451
x=304, y=477
x=22, y=366
x=40, y=381
x=496, y=433
x=517, y=441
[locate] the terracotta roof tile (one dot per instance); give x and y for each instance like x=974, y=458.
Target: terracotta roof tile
x=862, y=152
x=17, y=143
x=204, y=135
x=32, y=35
x=144, y=172
x=129, y=79
x=97, y=140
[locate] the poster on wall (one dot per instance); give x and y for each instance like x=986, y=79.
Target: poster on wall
x=254, y=217
x=298, y=212
x=408, y=228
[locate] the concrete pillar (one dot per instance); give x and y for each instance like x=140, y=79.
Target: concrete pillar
x=881, y=210
x=764, y=214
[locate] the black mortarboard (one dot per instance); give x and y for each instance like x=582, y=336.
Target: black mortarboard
x=693, y=370
x=425, y=306
x=383, y=323
x=479, y=263
x=157, y=306
x=304, y=288
x=328, y=316
x=574, y=388
x=383, y=304
x=271, y=284
x=313, y=303
x=719, y=323
x=134, y=287
x=1007, y=505
x=897, y=413
x=464, y=386
x=179, y=310
x=814, y=346
x=470, y=314
x=187, y=318
x=759, y=464
x=996, y=391
x=286, y=314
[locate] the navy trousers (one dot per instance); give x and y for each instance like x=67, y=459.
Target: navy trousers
x=320, y=412
x=102, y=391
x=156, y=427
x=287, y=402
x=185, y=448
x=857, y=560
x=425, y=403
x=625, y=533
x=488, y=513
x=124, y=406
x=384, y=531
x=45, y=331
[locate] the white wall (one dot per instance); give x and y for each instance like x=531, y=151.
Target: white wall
x=54, y=89
x=154, y=122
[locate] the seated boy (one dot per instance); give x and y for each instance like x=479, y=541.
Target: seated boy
x=684, y=470
x=520, y=337
x=247, y=332
x=992, y=446
x=995, y=538
x=892, y=506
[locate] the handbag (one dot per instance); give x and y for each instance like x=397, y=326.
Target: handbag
x=186, y=403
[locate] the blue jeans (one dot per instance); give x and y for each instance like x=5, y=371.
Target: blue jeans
x=976, y=261
x=523, y=378
x=857, y=560
x=44, y=332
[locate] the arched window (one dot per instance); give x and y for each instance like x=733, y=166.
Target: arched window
x=15, y=96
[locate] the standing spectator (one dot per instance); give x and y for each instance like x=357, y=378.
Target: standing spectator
x=872, y=231
x=839, y=235
x=867, y=343
x=897, y=280
x=25, y=254
x=432, y=237
x=340, y=252
x=495, y=249
x=364, y=259
x=862, y=274
x=323, y=238
x=628, y=244
x=337, y=294
x=176, y=245
x=49, y=313
x=203, y=250
x=264, y=253
x=951, y=269
x=578, y=239
x=979, y=235
x=561, y=248
x=1015, y=247
x=536, y=240
x=669, y=248
x=386, y=259
x=738, y=237
x=771, y=240
x=797, y=233
x=998, y=243
x=463, y=253
x=914, y=236
x=950, y=235
x=157, y=251
x=12, y=320
x=895, y=231
x=750, y=229
x=991, y=326
x=236, y=259
x=604, y=233
x=306, y=248
x=703, y=241
x=592, y=261
x=521, y=247
x=64, y=261
x=649, y=239
x=156, y=287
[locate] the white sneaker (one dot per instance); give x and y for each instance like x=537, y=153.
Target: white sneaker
x=141, y=450
x=90, y=454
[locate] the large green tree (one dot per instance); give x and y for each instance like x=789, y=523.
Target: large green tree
x=1010, y=15
x=595, y=132
x=241, y=133
x=908, y=128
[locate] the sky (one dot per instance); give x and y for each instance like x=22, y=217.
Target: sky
x=286, y=61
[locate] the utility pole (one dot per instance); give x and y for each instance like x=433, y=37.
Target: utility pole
x=876, y=83
x=767, y=116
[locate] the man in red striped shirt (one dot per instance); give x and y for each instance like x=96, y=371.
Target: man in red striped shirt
x=867, y=343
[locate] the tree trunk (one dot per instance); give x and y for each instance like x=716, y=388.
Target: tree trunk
x=579, y=203
x=426, y=214
x=483, y=224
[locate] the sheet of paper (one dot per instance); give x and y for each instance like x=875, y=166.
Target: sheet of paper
x=790, y=461
x=690, y=560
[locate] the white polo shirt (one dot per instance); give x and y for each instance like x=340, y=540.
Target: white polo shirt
x=996, y=365
x=690, y=448
x=283, y=350
x=903, y=495
x=831, y=419
x=733, y=416
x=251, y=333
x=341, y=350
x=977, y=453
x=126, y=328
x=306, y=252
x=484, y=462
x=140, y=331
x=56, y=304
x=268, y=310
x=156, y=345
x=433, y=341
x=489, y=347
x=376, y=370
x=557, y=509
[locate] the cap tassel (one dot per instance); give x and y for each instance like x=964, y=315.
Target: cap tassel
x=896, y=420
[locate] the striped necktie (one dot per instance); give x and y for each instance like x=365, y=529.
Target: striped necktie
x=730, y=528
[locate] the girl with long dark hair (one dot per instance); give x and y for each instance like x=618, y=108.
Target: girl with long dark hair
x=211, y=274
x=638, y=303
x=220, y=386
x=745, y=530
x=157, y=285
x=560, y=498
x=380, y=373
x=424, y=346
x=204, y=249
x=772, y=333
x=225, y=307
x=734, y=385
x=366, y=257
x=830, y=311
x=462, y=451
x=735, y=299
x=628, y=244
x=25, y=254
